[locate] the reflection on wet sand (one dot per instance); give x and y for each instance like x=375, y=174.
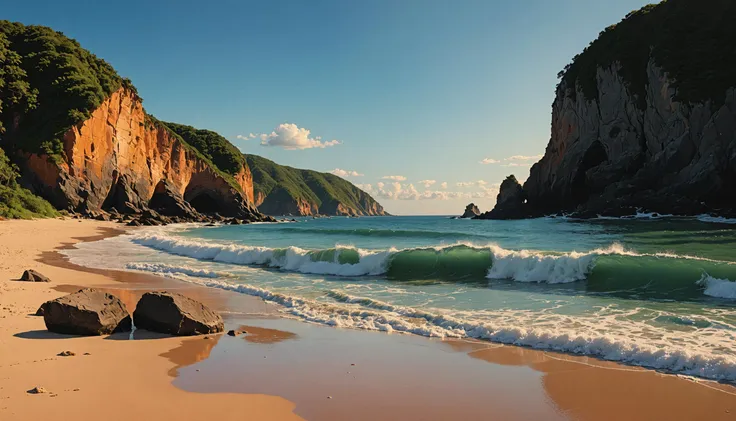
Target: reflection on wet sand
x=191, y=351
x=262, y=335
x=590, y=389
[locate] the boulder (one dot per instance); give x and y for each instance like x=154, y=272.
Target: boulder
x=169, y=312
x=31, y=275
x=86, y=312
x=471, y=211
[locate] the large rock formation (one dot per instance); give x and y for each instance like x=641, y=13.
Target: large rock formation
x=86, y=312
x=168, y=312
x=645, y=118
x=471, y=211
x=120, y=157
x=282, y=190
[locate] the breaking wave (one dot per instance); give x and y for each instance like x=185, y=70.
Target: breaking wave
x=610, y=269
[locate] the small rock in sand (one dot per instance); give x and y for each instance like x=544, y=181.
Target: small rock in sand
x=329, y=397
x=37, y=390
x=66, y=354
x=87, y=353
x=31, y=275
x=236, y=332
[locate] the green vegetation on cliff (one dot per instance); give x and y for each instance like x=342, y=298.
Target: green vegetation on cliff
x=284, y=187
x=15, y=201
x=219, y=150
x=48, y=83
x=693, y=41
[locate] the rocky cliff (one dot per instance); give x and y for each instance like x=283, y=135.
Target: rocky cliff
x=644, y=118
x=282, y=190
x=79, y=136
x=120, y=156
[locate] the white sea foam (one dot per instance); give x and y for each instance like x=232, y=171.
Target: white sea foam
x=715, y=219
x=160, y=268
x=516, y=328
x=720, y=288
x=291, y=259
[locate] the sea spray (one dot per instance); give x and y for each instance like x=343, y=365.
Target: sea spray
x=719, y=288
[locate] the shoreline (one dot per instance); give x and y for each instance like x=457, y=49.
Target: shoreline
x=222, y=376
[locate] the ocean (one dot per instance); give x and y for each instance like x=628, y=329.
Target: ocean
x=650, y=291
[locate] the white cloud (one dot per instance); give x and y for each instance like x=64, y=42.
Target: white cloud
x=510, y=161
x=517, y=164
x=365, y=187
x=398, y=191
x=345, y=173
x=427, y=183
x=290, y=136
x=524, y=158
x=246, y=137
x=465, y=184
x=394, y=177
x=481, y=183
x=444, y=185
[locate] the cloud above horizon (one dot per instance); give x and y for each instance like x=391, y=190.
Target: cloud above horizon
x=399, y=191
x=291, y=137
x=427, y=183
x=394, y=177
x=512, y=161
x=345, y=173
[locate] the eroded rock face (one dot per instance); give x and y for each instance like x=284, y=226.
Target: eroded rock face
x=611, y=155
x=471, y=211
x=118, y=157
x=86, y=312
x=169, y=312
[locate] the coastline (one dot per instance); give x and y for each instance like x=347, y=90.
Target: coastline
x=121, y=379
x=395, y=376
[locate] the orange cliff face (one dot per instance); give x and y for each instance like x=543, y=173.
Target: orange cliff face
x=117, y=159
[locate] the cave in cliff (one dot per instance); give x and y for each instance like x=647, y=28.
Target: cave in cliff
x=205, y=203
x=595, y=155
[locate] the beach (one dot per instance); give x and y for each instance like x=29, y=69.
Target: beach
x=286, y=369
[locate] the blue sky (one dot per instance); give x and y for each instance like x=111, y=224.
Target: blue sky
x=414, y=90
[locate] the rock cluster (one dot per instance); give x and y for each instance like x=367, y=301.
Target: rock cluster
x=92, y=312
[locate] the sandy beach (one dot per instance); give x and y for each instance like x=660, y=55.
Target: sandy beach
x=285, y=369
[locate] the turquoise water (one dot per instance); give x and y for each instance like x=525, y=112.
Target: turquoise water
x=650, y=292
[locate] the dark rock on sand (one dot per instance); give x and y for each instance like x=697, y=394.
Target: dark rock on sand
x=86, y=312
x=31, y=275
x=168, y=312
x=37, y=390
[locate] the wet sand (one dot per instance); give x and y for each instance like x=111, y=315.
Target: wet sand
x=310, y=367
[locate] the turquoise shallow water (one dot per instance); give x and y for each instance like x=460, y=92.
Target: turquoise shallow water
x=657, y=293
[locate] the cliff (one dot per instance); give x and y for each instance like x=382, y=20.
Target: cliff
x=282, y=190
x=644, y=118
x=81, y=139
x=119, y=157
